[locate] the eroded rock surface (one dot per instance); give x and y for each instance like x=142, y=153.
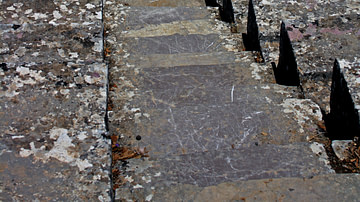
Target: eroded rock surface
x=53, y=102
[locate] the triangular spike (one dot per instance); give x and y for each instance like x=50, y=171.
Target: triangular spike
x=251, y=38
x=212, y=3
x=343, y=120
x=227, y=12
x=286, y=72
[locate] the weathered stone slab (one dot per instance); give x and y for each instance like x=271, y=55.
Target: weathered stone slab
x=332, y=187
x=132, y=18
x=82, y=12
x=53, y=102
x=173, y=44
x=176, y=119
x=29, y=178
x=213, y=167
x=52, y=116
x=176, y=60
x=163, y=3
x=50, y=92
x=195, y=108
x=81, y=44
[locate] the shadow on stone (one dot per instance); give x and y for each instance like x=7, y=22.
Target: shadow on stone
x=342, y=123
x=212, y=3
x=286, y=72
x=251, y=38
x=226, y=11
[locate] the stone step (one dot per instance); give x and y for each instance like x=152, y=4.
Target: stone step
x=136, y=62
x=133, y=18
x=329, y=187
x=171, y=44
x=185, y=120
x=146, y=31
x=172, y=106
x=214, y=168
x=164, y=3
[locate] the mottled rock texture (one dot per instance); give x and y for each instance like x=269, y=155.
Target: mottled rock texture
x=53, y=102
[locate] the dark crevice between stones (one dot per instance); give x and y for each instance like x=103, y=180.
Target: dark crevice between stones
x=335, y=163
x=212, y=3
x=286, y=72
x=106, y=118
x=15, y=27
x=226, y=11
x=4, y=67
x=342, y=122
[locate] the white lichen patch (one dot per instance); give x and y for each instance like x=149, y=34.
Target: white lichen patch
x=37, y=16
x=10, y=8
x=22, y=70
x=149, y=197
x=61, y=150
x=129, y=179
x=57, y=14
x=146, y=179
x=340, y=148
x=89, y=6
x=82, y=136
x=98, y=46
x=306, y=112
x=138, y=186
x=257, y=70
x=91, y=79
x=319, y=150
x=56, y=132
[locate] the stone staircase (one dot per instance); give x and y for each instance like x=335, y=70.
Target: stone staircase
x=202, y=116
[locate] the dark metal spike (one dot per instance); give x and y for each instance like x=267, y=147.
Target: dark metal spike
x=343, y=120
x=212, y=3
x=286, y=72
x=227, y=12
x=251, y=38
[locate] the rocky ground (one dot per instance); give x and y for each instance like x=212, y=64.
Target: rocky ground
x=120, y=100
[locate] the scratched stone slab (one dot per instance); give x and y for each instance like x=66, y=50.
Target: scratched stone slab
x=196, y=108
x=214, y=167
x=174, y=44
x=133, y=18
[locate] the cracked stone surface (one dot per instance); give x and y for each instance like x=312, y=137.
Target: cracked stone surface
x=53, y=102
